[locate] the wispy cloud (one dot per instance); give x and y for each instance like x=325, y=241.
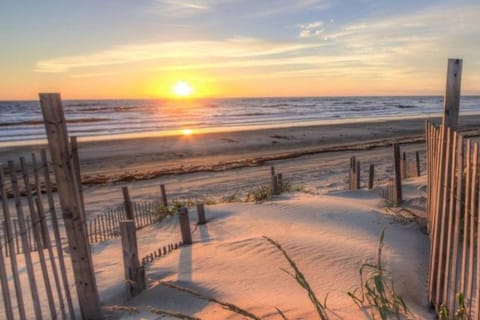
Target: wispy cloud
x=188, y=8
x=93, y=74
x=313, y=29
x=429, y=24
x=275, y=7
x=410, y=42
x=234, y=48
x=179, y=8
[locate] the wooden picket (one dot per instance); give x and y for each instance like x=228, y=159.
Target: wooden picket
x=453, y=219
x=32, y=237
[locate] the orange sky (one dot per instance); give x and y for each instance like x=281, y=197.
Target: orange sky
x=304, y=48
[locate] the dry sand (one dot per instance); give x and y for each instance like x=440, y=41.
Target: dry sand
x=328, y=236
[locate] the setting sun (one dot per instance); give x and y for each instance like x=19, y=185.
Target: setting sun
x=187, y=132
x=182, y=89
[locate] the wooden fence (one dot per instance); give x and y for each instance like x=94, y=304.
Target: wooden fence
x=453, y=219
x=34, y=274
x=106, y=226
x=407, y=169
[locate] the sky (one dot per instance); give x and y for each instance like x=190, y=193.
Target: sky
x=235, y=48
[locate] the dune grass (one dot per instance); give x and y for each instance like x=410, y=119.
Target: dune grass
x=377, y=291
x=460, y=314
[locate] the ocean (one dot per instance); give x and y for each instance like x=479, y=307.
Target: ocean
x=21, y=121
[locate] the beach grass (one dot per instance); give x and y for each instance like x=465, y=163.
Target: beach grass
x=377, y=291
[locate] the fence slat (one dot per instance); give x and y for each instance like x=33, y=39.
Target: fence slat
x=477, y=293
x=13, y=256
x=444, y=217
x=434, y=251
x=56, y=234
x=46, y=237
x=23, y=231
x=7, y=302
x=473, y=212
x=466, y=221
x=450, y=223
x=37, y=236
x=457, y=221
x=43, y=224
x=16, y=236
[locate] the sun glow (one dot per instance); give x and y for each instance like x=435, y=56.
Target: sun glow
x=182, y=89
x=187, y=132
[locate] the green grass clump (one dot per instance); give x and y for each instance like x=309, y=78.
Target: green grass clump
x=259, y=194
x=460, y=314
x=377, y=290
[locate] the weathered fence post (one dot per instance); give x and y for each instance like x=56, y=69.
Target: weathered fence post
x=452, y=93
x=185, y=226
x=201, y=213
x=404, y=166
x=357, y=177
x=274, y=181
x=134, y=272
x=371, y=176
x=70, y=202
x=164, y=195
x=352, y=175
x=280, y=181
x=397, y=197
x=275, y=189
x=417, y=160
x=128, y=204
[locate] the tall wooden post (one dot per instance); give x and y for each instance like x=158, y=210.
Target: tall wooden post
x=397, y=197
x=371, y=176
x=128, y=204
x=452, y=93
x=185, y=225
x=164, y=195
x=275, y=188
x=417, y=161
x=404, y=166
x=357, y=175
x=201, y=213
x=70, y=202
x=352, y=172
x=134, y=272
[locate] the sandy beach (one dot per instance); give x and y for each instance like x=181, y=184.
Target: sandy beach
x=327, y=230
x=224, y=166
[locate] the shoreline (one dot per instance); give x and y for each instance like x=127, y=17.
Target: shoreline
x=231, y=129
x=153, y=157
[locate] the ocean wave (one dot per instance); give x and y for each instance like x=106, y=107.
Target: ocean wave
x=81, y=104
x=38, y=122
x=405, y=106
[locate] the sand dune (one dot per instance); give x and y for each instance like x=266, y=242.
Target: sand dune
x=328, y=236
